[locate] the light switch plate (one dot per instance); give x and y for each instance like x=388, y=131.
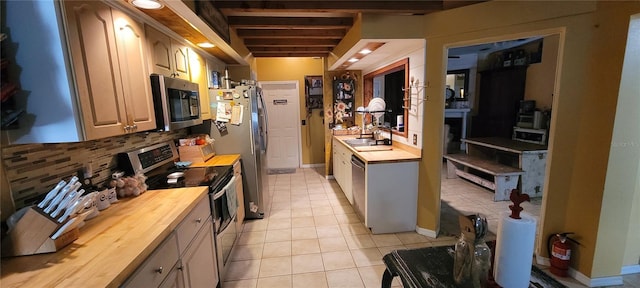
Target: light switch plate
x=415, y=139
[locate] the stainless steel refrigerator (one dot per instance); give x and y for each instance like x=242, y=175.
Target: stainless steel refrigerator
x=248, y=138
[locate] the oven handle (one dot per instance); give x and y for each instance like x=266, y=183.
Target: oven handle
x=224, y=190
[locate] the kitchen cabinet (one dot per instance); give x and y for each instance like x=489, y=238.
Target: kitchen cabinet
x=111, y=74
x=189, y=250
x=198, y=68
x=168, y=57
x=342, y=168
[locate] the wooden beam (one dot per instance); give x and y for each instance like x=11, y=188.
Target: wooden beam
x=277, y=49
x=291, y=42
x=291, y=33
x=288, y=54
x=417, y=6
x=240, y=22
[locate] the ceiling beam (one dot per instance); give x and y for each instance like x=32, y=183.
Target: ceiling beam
x=291, y=33
x=240, y=22
x=291, y=42
x=273, y=49
x=288, y=54
x=365, y=6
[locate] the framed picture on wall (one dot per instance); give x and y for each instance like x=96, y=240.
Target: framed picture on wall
x=313, y=92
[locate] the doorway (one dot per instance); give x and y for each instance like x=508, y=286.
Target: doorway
x=466, y=109
x=282, y=101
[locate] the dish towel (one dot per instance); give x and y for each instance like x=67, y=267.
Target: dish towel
x=232, y=197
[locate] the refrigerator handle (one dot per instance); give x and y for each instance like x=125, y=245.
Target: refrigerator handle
x=251, y=138
x=266, y=122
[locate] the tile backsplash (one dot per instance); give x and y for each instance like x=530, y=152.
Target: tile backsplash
x=33, y=169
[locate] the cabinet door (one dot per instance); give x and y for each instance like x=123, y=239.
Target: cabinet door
x=132, y=54
x=200, y=262
x=174, y=278
x=160, y=51
x=180, y=57
x=198, y=69
x=97, y=71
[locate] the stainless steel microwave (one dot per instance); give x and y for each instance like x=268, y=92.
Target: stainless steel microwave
x=176, y=103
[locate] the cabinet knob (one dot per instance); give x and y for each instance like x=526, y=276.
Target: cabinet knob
x=127, y=128
x=159, y=270
x=134, y=127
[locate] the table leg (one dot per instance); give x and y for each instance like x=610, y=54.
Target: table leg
x=387, y=278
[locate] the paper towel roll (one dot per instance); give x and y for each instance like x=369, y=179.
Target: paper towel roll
x=400, y=120
x=514, y=250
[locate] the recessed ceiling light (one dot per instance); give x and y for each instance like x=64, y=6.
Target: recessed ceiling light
x=352, y=60
x=206, y=45
x=147, y=4
x=365, y=51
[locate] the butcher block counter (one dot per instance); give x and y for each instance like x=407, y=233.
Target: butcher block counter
x=111, y=246
x=383, y=153
x=218, y=160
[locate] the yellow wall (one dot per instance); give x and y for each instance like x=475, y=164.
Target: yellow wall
x=622, y=195
x=592, y=38
x=541, y=76
x=286, y=69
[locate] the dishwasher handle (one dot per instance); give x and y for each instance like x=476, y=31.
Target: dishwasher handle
x=355, y=161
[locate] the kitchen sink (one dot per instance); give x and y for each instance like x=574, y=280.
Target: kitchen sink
x=360, y=142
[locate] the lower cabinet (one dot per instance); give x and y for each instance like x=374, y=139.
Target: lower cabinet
x=186, y=258
x=342, y=168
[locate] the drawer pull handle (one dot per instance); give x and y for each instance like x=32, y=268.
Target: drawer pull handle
x=199, y=220
x=159, y=270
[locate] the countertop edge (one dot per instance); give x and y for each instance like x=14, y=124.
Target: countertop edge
x=398, y=154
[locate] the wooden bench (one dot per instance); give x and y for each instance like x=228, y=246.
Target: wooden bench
x=505, y=178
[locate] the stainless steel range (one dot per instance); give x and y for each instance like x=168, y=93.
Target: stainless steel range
x=157, y=162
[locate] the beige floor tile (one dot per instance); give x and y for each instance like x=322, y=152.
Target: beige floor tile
x=302, y=222
x=411, y=238
x=276, y=249
x=325, y=220
x=386, y=250
x=337, y=260
x=320, y=203
x=367, y=257
x=247, y=252
x=307, y=246
x=372, y=275
x=238, y=270
x=252, y=237
x=277, y=281
x=255, y=225
x=354, y=229
x=333, y=244
x=275, y=224
x=383, y=240
x=359, y=241
x=320, y=211
x=248, y=283
x=328, y=231
x=307, y=263
x=343, y=209
x=278, y=235
x=281, y=213
x=275, y=267
x=301, y=212
x=345, y=278
x=348, y=218
x=303, y=233
x=310, y=280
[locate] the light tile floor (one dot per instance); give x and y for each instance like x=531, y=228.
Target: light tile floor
x=311, y=237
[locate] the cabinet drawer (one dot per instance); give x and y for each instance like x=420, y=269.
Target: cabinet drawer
x=156, y=268
x=188, y=228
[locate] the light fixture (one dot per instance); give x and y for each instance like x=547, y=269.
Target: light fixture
x=206, y=45
x=365, y=51
x=147, y=4
x=357, y=56
x=353, y=60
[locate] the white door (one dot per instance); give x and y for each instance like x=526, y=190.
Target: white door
x=283, y=108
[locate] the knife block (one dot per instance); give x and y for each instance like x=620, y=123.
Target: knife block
x=31, y=235
x=196, y=154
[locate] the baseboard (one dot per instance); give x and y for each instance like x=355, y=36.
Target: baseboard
x=630, y=269
x=595, y=282
x=330, y=177
x=544, y=261
x=426, y=232
x=312, y=165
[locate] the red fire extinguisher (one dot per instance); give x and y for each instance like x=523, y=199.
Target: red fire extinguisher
x=559, y=253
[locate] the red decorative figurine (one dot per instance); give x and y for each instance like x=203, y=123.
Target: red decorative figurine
x=517, y=198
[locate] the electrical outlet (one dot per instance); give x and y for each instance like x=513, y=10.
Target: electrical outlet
x=415, y=139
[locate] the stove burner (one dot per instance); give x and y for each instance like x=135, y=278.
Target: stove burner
x=191, y=177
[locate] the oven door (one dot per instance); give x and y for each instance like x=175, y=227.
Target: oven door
x=225, y=213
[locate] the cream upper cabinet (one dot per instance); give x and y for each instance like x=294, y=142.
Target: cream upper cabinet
x=108, y=54
x=198, y=69
x=168, y=57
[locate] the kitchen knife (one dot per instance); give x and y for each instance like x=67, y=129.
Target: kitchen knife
x=71, y=224
x=73, y=207
x=65, y=191
x=52, y=194
x=69, y=200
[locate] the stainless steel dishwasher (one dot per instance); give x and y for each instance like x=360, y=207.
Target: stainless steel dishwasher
x=358, y=186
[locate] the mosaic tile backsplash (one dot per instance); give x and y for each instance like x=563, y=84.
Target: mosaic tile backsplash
x=33, y=169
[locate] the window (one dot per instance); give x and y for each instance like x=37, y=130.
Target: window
x=389, y=83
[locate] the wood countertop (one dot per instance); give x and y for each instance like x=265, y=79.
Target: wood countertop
x=219, y=160
x=398, y=152
x=110, y=247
